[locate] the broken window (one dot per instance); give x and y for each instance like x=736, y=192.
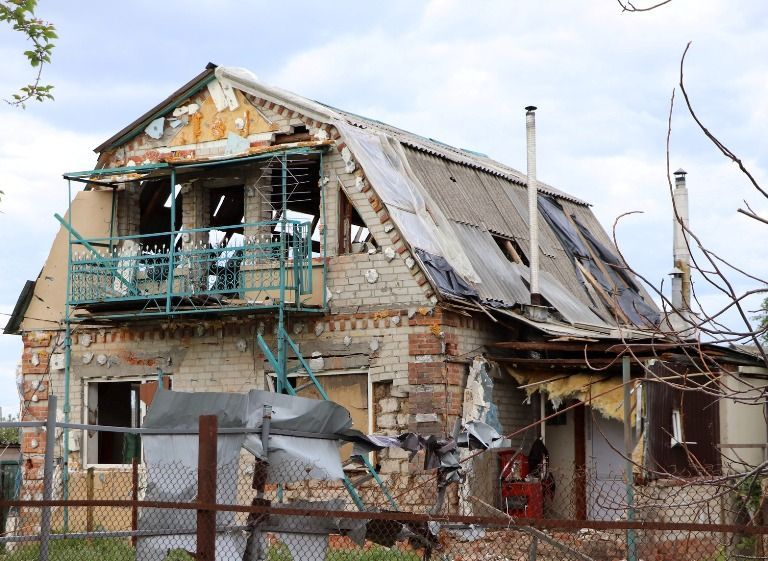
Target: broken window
x=301, y=174
x=155, y=212
x=353, y=233
x=117, y=403
x=511, y=249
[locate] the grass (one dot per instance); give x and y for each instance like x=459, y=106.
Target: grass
x=118, y=549
x=110, y=549
x=376, y=553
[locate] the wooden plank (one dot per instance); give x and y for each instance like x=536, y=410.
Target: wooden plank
x=547, y=362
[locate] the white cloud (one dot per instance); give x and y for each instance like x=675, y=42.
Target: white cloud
x=33, y=157
x=602, y=79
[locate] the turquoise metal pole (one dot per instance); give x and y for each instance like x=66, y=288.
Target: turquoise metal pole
x=323, y=189
x=73, y=234
x=282, y=361
x=626, y=379
x=67, y=363
x=171, y=243
x=112, y=218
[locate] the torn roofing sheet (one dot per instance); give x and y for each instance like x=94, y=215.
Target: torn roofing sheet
x=295, y=458
x=457, y=233
x=388, y=170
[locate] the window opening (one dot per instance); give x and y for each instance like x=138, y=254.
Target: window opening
x=227, y=206
x=511, y=249
x=353, y=233
x=677, y=428
x=118, y=404
x=177, y=190
x=155, y=212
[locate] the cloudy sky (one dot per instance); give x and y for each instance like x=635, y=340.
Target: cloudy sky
x=458, y=71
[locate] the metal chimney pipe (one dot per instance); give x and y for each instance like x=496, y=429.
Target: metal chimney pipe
x=681, y=277
x=533, y=206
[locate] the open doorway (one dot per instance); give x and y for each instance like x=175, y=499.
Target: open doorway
x=117, y=403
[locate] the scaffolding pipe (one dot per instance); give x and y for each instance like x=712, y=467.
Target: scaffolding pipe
x=282, y=360
x=67, y=361
x=171, y=242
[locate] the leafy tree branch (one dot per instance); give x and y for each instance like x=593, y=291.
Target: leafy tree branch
x=20, y=15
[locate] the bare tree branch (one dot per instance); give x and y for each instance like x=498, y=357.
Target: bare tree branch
x=627, y=6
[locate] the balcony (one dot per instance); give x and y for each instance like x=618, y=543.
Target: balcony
x=243, y=267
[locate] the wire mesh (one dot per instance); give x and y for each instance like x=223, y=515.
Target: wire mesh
x=294, y=511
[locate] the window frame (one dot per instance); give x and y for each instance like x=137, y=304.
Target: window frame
x=87, y=382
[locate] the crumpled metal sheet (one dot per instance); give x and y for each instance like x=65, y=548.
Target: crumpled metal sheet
x=293, y=458
x=172, y=459
x=479, y=436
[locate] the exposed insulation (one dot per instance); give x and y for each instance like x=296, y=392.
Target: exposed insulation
x=604, y=395
x=208, y=124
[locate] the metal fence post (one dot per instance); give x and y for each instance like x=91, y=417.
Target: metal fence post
x=89, y=496
x=206, y=488
x=134, y=497
x=532, y=550
x=50, y=444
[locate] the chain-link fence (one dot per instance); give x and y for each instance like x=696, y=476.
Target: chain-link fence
x=250, y=510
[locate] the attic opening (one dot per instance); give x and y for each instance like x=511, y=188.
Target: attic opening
x=511, y=249
x=155, y=211
x=226, y=208
x=354, y=236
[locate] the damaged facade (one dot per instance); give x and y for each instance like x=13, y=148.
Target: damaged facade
x=236, y=230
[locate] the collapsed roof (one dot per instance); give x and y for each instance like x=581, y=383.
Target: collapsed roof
x=465, y=215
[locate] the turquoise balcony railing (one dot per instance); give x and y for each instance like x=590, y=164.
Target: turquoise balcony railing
x=246, y=266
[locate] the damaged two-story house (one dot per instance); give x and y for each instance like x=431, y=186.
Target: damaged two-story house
x=237, y=231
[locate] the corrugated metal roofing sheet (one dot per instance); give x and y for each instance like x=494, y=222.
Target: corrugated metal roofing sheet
x=502, y=281
x=479, y=196
x=445, y=151
x=481, y=201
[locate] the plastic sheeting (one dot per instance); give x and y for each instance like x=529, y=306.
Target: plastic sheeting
x=172, y=459
x=386, y=166
x=444, y=276
x=171, y=462
x=619, y=282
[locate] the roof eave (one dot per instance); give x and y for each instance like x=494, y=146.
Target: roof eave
x=20, y=309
